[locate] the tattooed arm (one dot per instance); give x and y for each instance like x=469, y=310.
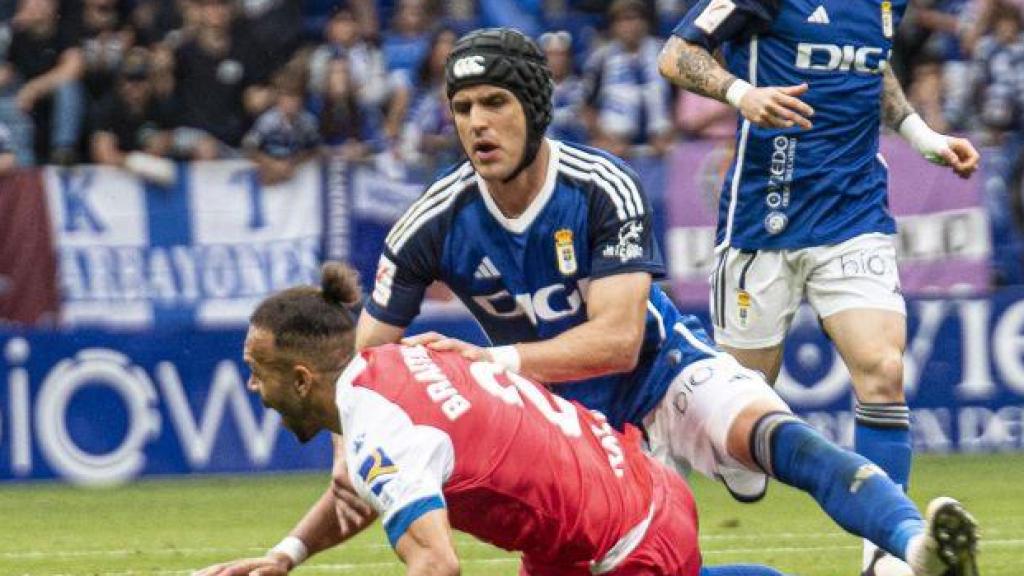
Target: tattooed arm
x=895, y=108
x=693, y=68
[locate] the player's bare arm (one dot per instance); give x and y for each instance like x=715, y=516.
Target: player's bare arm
x=426, y=547
x=338, y=515
x=607, y=343
x=898, y=114
x=353, y=514
x=373, y=332
x=693, y=68
x=895, y=106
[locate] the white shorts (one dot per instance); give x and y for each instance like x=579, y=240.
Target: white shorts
x=690, y=426
x=754, y=294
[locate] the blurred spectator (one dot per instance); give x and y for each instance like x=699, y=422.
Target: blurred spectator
x=104, y=44
x=286, y=135
x=668, y=13
x=42, y=79
x=462, y=15
x=428, y=137
x=214, y=85
x=407, y=43
x=367, y=14
x=998, y=73
x=153, y=20
x=161, y=77
x=700, y=118
x=927, y=93
x=568, y=98
x=131, y=118
x=999, y=89
x=625, y=88
x=978, y=17
x=941, y=19
x=273, y=29
x=526, y=15
x=8, y=161
x=365, y=62
x=352, y=128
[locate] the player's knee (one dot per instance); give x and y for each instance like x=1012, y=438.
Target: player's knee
x=741, y=440
x=439, y=561
x=882, y=379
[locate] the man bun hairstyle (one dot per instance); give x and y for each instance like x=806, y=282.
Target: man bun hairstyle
x=339, y=284
x=316, y=324
x=507, y=58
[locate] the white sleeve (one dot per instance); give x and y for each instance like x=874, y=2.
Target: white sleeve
x=397, y=466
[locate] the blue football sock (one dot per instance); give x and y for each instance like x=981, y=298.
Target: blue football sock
x=852, y=491
x=882, y=435
x=740, y=570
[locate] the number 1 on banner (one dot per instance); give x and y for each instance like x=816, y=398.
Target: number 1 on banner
x=251, y=180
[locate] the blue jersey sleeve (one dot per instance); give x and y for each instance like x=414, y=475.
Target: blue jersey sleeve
x=413, y=249
x=711, y=22
x=403, y=274
x=621, y=228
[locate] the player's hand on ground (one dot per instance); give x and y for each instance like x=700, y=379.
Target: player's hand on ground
x=961, y=156
x=270, y=565
x=777, y=107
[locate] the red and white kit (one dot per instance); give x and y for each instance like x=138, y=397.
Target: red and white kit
x=513, y=465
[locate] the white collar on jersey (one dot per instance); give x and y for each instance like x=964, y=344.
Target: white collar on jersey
x=519, y=224
x=343, y=388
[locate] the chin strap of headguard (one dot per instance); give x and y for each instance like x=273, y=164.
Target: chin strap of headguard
x=507, y=58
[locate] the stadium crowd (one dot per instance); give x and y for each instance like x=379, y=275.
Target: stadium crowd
x=134, y=83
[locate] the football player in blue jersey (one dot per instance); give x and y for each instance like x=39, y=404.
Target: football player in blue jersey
x=803, y=209
x=549, y=245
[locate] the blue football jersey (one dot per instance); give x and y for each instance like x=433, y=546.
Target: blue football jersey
x=525, y=279
x=794, y=188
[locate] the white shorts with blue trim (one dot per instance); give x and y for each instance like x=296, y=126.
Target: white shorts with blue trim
x=755, y=293
x=690, y=426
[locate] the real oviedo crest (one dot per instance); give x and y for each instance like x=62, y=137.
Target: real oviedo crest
x=564, y=252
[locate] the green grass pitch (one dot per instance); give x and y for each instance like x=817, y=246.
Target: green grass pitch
x=175, y=526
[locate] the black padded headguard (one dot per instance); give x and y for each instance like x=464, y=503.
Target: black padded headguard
x=507, y=58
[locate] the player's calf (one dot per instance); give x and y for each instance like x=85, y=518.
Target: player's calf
x=855, y=493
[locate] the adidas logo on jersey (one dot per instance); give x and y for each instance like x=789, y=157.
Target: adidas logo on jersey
x=819, y=16
x=486, y=269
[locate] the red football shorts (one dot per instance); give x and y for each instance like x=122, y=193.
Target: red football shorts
x=670, y=547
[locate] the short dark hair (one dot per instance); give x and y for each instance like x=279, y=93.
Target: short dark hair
x=313, y=323
x=1006, y=11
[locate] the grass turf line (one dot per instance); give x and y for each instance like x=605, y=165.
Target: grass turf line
x=168, y=527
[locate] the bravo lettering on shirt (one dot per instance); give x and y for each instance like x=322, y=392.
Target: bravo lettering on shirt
x=439, y=388
x=795, y=188
x=500, y=468
x=527, y=279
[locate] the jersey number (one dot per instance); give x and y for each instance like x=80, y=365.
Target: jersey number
x=562, y=413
